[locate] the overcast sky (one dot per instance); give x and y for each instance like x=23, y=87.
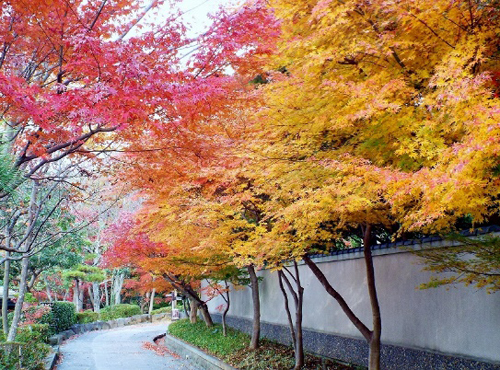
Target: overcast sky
x=196, y=12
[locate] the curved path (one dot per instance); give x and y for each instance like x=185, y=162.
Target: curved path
x=124, y=348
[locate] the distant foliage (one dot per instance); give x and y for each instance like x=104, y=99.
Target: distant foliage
x=119, y=310
x=35, y=314
x=162, y=310
x=86, y=317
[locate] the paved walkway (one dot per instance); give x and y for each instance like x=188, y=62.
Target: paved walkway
x=124, y=348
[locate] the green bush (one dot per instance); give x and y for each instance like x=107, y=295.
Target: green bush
x=162, y=310
x=29, y=350
x=29, y=298
x=118, y=311
x=86, y=317
x=157, y=306
x=61, y=317
x=33, y=333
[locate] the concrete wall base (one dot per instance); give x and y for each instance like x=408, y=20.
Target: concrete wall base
x=355, y=351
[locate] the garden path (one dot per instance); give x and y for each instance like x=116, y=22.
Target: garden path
x=124, y=348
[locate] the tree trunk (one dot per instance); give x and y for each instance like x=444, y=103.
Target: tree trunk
x=81, y=297
x=25, y=262
x=97, y=297
x=374, y=361
x=91, y=296
x=298, y=297
x=193, y=311
x=287, y=308
x=254, y=284
x=224, y=314
x=186, y=306
x=299, y=347
x=5, y=296
x=371, y=336
x=151, y=301
x=206, y=315
x=32, y=281
x=118, y=279
x=47, y=288
x=20, y=299
x=77, y=296
x=187, y=290
x=106, y=293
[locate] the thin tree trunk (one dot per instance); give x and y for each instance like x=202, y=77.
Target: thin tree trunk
x=32, y=281
x=298, y=298
x=20, y=300
x=224, y=314
x=374, y=360
x=287, y=308
x=5, y=296
x=106, y=293
x=191, y=293
x=91, y=296
x=47, y=288
x=151, y=301
x=97, y=297
x=81, y=295
x=77, y=296
x=371, y=336
x=25, y=261
x=117, y=288
x=186, y=306
x=299, y=348
x=340, y=300
x=254, y=284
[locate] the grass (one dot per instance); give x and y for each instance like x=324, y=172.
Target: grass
x=209, y=339
x=233, y=349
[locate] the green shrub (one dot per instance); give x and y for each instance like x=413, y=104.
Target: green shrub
x=118, y=311
x=33, y=333
x=61, y=317
x=29, y=350
x=162, y=310
x=157, y=306
x=29, y=298
x=86, y=317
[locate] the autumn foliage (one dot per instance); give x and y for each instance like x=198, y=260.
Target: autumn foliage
x=293, y=127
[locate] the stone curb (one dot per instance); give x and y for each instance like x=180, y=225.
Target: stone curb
x=195, y=355
x=57, y=339
x=51, y=359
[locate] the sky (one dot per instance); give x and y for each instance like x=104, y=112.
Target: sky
x=195, y=12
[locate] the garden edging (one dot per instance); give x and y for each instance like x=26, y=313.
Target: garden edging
x=195, y=355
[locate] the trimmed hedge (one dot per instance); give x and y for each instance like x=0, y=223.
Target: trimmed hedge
x=61, y=317
x=162, y=310
x=86, y=317
x=118, y=311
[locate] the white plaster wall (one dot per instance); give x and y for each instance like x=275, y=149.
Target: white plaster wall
x=459, y=320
